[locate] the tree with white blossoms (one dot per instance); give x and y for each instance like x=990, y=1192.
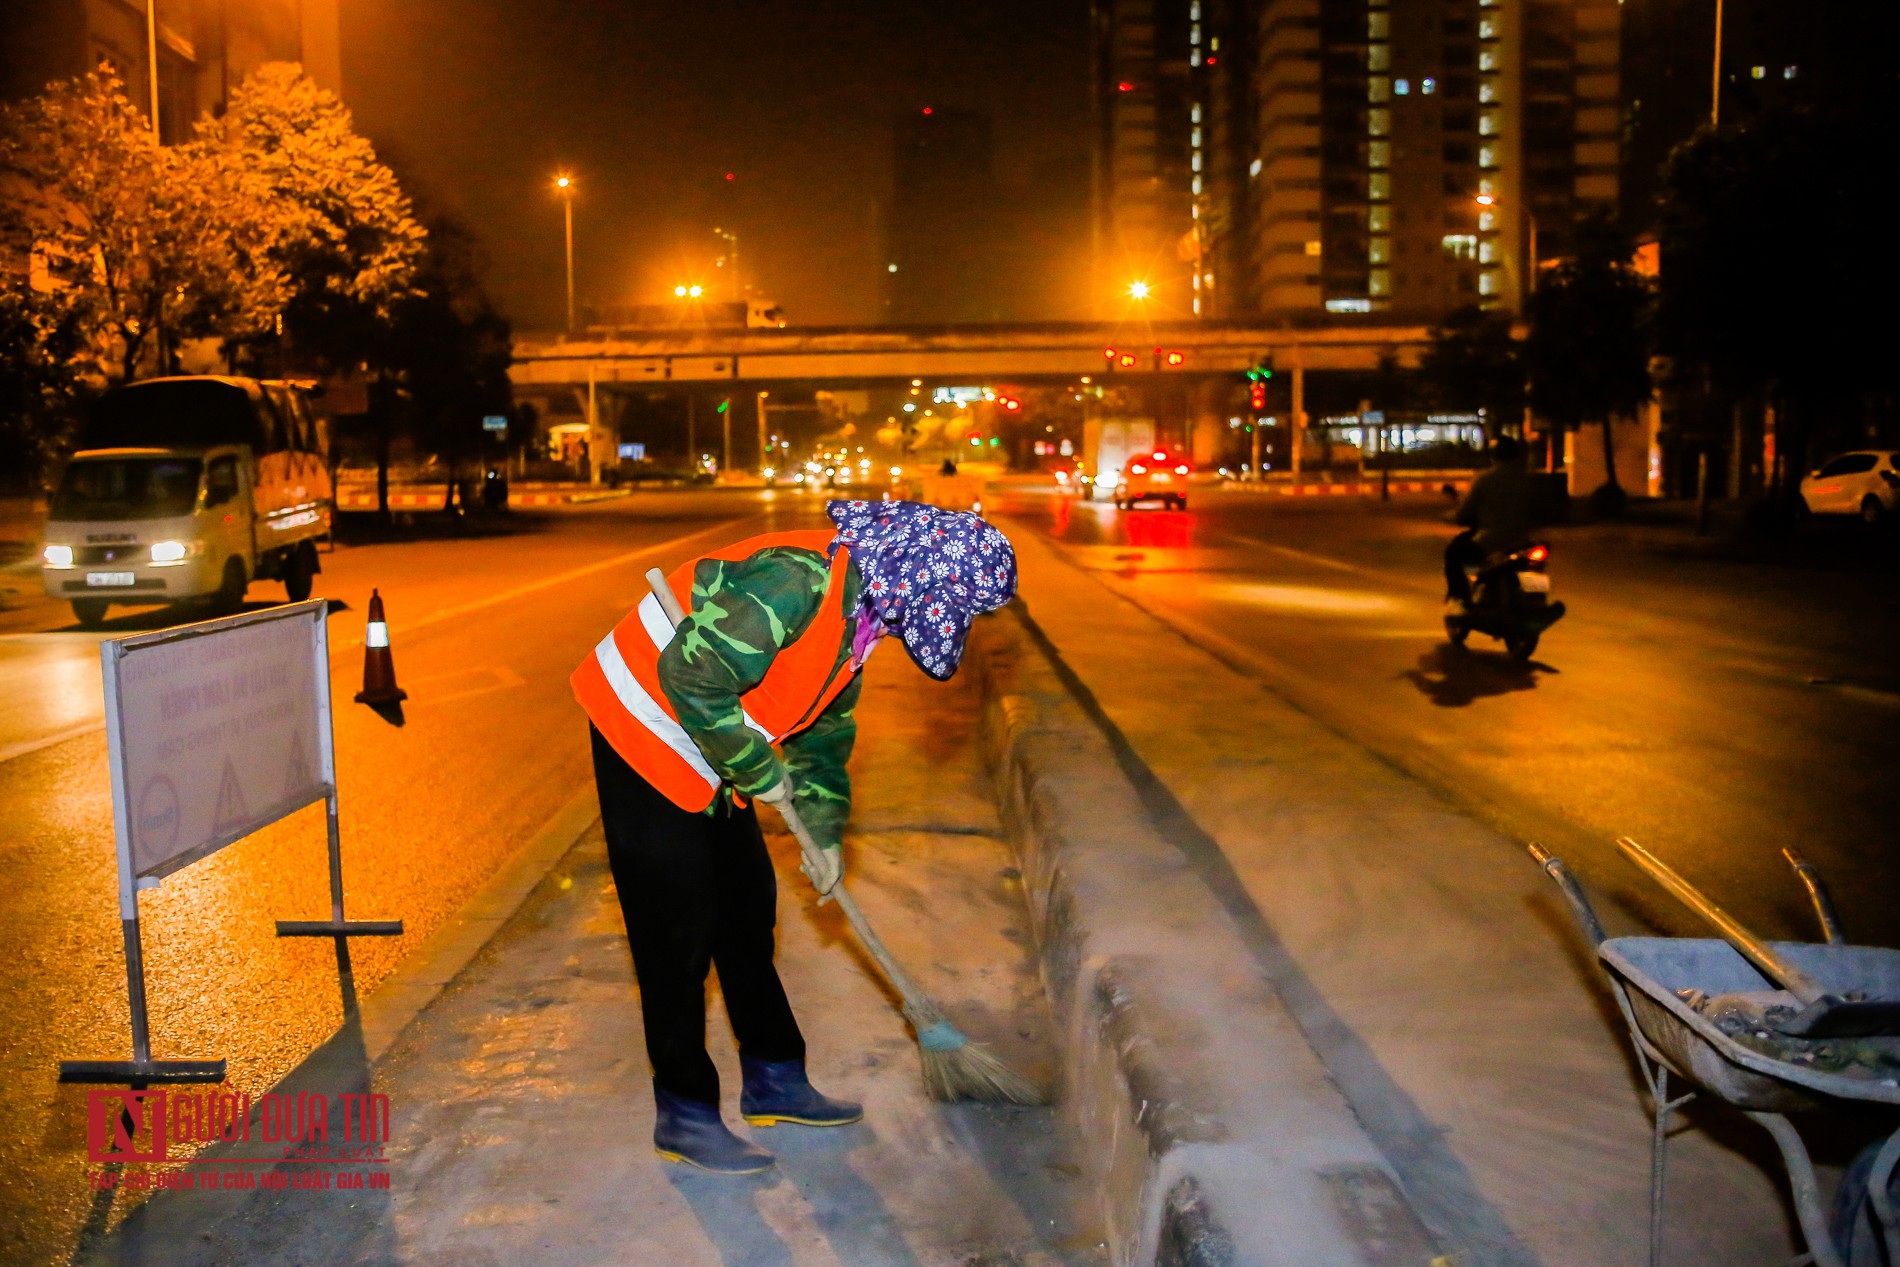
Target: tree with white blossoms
x=353, y=243
x=150, y=237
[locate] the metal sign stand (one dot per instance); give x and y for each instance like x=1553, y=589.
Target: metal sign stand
x=142, y=1070
x=336, y=925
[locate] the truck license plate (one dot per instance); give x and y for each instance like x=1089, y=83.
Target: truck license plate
x=109, y=578
x=1534, y=582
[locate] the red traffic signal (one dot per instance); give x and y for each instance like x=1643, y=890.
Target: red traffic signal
x=1257, y=396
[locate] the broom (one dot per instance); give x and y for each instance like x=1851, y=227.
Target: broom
x=954, y=1067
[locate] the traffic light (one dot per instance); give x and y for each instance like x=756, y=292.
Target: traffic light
x=1176, y=358
x=1257, y=396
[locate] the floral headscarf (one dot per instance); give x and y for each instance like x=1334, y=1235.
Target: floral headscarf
x=927, y=573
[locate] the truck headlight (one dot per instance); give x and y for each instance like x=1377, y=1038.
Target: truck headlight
x=58, y=556
x=172, y=551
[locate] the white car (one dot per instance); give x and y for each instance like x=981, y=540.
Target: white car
x=1864, y=483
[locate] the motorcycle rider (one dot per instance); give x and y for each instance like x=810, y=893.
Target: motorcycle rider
x=1496, y=515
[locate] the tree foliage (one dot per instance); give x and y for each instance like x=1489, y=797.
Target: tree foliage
x=148, y=235
x=1474, y=362
x=354, y=243
x=1588, y=348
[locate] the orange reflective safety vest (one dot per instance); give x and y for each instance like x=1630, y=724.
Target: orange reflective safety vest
x=619, y=685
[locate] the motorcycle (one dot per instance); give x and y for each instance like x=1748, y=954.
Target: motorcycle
x=1510, y=600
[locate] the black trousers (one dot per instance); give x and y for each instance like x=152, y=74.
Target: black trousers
x=697, y=891
x=1461, y=551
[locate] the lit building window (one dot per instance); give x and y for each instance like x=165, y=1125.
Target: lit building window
x=1194, y=11
x=1197, y=184
x=1379, y=282
x=1378, y=25
x=1378, y=88
x=1488, y=91
x=1194, y=57
x=1194, y=138
x=1488, y=251
x=1378, y=186
x=1197, y=305
x=1428, y=86
x=1379, y=154
x=1488, y=59
x=1461, y=246
x=1379, y=219
x=1214, y=44
x=1349, y=305
x=1314, y=246
x=1487, y=221
x=1197, y=281
x=1379, y=250
x=1488, y=156
x=1194, y=34
x=1253, y=168
x=1194, y=161
x=1487, y=283
x=1787, y=72
x=1379, y=122
x=1488, y=123
x=1758, y=72
x=1194, y=113
x=1379, y=57
x=1487, y=186
x=1487, y=27
x=1401, y=87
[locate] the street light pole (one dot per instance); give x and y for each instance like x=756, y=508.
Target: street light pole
x=151, y=58
x=566, y=186
x=1715, y=90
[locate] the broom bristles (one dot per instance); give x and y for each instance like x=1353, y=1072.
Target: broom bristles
x=957, y=1069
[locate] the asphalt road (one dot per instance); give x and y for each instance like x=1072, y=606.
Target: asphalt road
x=1715, y=709
x=485, y=631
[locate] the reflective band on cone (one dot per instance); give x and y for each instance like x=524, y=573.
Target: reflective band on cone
x=379, y=669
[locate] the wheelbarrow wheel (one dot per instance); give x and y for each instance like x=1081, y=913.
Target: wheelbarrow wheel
x=1855, y=1226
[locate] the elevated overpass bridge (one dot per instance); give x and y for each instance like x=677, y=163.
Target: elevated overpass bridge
x=872, y=356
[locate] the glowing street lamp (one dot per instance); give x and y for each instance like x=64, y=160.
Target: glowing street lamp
x=565, y=184
x=1138, y=290
x=688, y=292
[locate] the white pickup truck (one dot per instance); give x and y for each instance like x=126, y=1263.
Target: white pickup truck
x=189, y=488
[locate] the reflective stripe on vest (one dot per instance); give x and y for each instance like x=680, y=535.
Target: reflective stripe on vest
x=620, y=690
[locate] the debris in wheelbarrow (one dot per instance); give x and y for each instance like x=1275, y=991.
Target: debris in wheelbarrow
x=1754, y=1018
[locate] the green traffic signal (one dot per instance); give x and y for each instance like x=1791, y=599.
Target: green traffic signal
x=723, y=406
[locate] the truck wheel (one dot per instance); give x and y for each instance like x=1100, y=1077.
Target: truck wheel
x=230, y=594
x=300, y=570
x=90, y=612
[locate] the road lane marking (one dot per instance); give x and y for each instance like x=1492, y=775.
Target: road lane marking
x=340, y=645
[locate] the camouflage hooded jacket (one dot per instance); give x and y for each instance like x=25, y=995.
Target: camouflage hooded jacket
x=744, y=611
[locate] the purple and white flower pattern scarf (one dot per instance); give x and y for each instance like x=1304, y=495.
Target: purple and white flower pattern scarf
x=927, y=573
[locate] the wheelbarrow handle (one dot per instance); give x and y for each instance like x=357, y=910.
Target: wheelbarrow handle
x=1573, y=892
x=1752, y=948
x=1817, y=894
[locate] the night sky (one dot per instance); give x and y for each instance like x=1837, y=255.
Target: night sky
x=651, y=103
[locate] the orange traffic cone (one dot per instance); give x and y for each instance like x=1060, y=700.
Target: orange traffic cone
x=379, y=670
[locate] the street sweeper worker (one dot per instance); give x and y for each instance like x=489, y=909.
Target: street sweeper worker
x=752, y=698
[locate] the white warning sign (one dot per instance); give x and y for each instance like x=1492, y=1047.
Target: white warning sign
x=215, y=727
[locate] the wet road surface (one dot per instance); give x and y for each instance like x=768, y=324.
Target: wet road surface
x=1715, y=710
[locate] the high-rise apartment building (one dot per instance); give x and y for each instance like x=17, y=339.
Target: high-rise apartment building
x=1343, y=157
x=204, y=49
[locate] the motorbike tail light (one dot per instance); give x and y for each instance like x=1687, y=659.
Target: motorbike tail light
x=1538, y=554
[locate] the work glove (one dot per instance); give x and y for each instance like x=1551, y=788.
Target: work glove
x=824, y=867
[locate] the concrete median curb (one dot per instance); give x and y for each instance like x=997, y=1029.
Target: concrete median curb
x=1217, y=1136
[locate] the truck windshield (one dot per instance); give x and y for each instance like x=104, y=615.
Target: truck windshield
x=174, y=412
x=127, y=488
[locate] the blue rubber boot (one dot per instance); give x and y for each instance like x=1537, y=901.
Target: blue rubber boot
x=692, y=1132
x=778, y=1091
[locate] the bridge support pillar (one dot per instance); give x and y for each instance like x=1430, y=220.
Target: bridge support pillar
x=1207, y=427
